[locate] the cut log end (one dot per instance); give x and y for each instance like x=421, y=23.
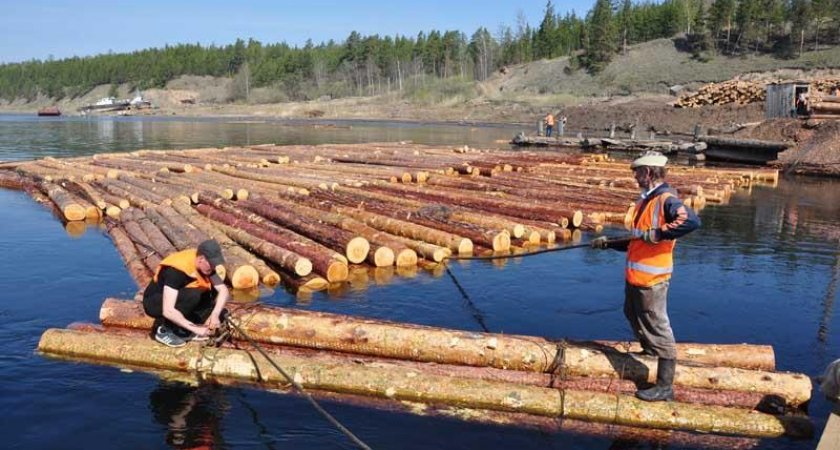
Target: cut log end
x=501, y=242
x=518, y=231
x=271, y=279
x=533, y=237
x=357, y=250
x=303, y=267
x=383, y=257
x=74, y=212
x=466, y=246
x=244, y=277
x=550, y=237
x=441, y=253
x=337, y=271
x=113, y=211
x=406, y=257
x=577, y=218
x=221, y=271
x=93, y=213
x=242, y=194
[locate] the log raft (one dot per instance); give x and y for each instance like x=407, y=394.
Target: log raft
x=416, y=386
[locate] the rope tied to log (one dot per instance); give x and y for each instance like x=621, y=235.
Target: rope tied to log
x=291, y=381
x=558, y=370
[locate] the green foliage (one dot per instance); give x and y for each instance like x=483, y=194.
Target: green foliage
x=372, y=65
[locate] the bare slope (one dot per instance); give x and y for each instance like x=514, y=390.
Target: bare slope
x=651, y=67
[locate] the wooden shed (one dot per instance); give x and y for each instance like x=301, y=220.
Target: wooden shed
x=781, y=99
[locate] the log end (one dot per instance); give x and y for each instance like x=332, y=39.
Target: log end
x=577, y=218
x=441, y=253
x=244, y=277
x=406, y=257
x=113, y=211
x=93, y=213
x=550, y=236
x=357, y=250
x=383, y=257
x=242, y=194
x=518, y=230
x=74, y=212
x=405, y=177
x=337, y=271
x=533, y=237
x=303, y=267
x=465, y=247
x=271, y=279
x=501, y=242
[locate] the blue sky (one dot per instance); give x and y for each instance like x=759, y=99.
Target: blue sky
x=63, y=28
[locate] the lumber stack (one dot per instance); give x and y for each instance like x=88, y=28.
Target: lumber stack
x=733, y=91
x=720, y=389
x=307, y=215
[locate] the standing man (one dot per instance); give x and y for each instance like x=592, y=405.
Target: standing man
x=549, y=124
x=186, y=296
x=660, y=218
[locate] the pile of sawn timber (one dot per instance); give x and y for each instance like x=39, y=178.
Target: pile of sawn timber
x=305, y=215
x=722, y=389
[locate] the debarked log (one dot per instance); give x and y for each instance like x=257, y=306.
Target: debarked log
x=418, y=387
x=421, y=343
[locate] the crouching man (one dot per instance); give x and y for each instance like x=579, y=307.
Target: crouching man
x=186, y=296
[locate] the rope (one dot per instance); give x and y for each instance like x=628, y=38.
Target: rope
x=522, y=255
x=476, y=313
x=299, y=388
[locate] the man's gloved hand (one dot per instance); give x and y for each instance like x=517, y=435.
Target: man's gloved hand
x=600, y=242
x=651, y=236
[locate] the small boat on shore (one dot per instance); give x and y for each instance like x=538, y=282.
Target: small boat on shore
x=49, y=111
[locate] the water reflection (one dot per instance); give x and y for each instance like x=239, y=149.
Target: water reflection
x=191, y=415
x=26, y=137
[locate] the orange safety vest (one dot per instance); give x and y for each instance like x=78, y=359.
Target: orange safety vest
x=549, y=120
x=649, y=264
x=185, y=262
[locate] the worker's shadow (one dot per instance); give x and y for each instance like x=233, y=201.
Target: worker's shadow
x=191, y=415
x=626, y=365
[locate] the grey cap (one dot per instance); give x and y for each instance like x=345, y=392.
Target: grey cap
x=211, y=250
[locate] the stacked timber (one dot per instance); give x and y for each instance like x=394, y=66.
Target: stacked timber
x=720, y=389
x=739, y=92
x=825, y=106
x=308, y=215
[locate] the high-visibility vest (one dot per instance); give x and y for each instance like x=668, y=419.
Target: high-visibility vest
x=549, y=120
x=185, y=262
x=649, y=264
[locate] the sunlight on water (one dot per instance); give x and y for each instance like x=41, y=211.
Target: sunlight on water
x=763, y=269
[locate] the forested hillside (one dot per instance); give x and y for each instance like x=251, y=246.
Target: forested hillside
x=370, y=65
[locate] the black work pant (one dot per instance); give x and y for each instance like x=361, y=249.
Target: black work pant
x=195, y=304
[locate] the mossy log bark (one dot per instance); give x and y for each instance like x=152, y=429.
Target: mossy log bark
x=421, y=343
x=418, y=387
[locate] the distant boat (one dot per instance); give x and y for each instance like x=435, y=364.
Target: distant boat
x=49, y=111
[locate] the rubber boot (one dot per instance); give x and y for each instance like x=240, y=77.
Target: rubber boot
x=664, y=389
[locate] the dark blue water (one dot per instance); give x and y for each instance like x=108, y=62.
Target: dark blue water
x=763, y=269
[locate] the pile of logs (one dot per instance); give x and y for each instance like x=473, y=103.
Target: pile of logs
x=824, y=106
x=305, y=216
x=743, y=92
x=719, y=389
x=733, y=91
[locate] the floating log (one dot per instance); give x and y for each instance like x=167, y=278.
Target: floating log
x=744, y=143
x=419, y=387
x=268, y=276
x=141, y=275
x=291, y=246
x=419, y=343
x=354, y=247
x=66, y=203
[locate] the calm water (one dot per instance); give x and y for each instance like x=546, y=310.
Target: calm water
x=764, y=269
